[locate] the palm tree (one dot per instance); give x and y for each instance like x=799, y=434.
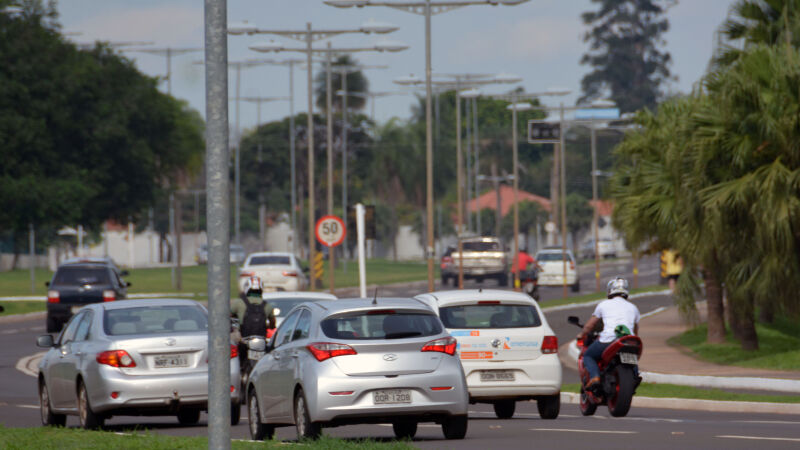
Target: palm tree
x=756, y=22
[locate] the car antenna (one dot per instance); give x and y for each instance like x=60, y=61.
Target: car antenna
x=375, y=298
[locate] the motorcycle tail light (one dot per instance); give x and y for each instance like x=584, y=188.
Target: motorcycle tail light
x=579, y=343
x=549, y=345
x=234, y=351
x=327, y=350
x=443, y=345
x=115, y=358
x=53, y=297
x=109, y=296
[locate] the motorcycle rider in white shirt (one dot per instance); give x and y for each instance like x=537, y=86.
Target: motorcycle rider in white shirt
x=614, y=312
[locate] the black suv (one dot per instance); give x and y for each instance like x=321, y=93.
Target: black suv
x=79, y=282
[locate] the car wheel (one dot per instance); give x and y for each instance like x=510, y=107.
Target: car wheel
x=49, y=419
x=504, y=409
x=258, y=430
x=236, y=413
x=587, y=406
x=52, y=325
x=549, y=406
x=188, y=416
x=305, y=428
x=502, y=280
x=455, y=427
x=577, y=286
x=405, y=429
x=87, y=418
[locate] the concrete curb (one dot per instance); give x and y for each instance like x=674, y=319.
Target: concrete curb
x=29, y=365
x=23, y=317
x=701, y=405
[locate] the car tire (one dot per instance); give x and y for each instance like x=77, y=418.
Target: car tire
x=577, y=286
x=88, y=419
x=302, y=420
x=549, y=406
x=188, y=416
x=586, y=406
x=49, y=419
x=53, y=325
x=405, y=429
x=236, y=413
x=258, y=430
x=502, y=280
x=455, y=427
x=504, y=409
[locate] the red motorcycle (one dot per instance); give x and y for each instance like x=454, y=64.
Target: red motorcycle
x=618, y=374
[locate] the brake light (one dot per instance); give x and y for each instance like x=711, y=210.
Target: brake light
x=288, y=273
x=549, y=345
x=53, y=297
x=444, y=345
x=489, y=302
x=326, y=350
x=447, y=259
x=115, y=358
x=572, y=265
x=234, y=351
x=109, y=296
x=579, y=343
x=246, y=274
x=379, y=312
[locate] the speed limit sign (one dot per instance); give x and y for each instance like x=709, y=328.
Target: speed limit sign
x=330, y=231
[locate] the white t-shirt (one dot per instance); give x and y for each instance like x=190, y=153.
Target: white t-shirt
x=616, y=311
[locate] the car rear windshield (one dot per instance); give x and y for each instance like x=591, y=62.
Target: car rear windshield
x=552, y=257
x=481, y=246
x=490, y=316
x=284, y=305
x=269, y=261
x=381, y=324
x=81, y=275
x=154, y=320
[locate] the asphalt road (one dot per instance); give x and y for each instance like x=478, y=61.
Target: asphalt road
x=648, y=428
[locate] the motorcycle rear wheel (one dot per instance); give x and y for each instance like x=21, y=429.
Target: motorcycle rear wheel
x=587, y=407
x=619, y=402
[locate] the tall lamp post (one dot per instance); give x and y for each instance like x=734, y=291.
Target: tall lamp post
x=426, y=8
x=308, y=36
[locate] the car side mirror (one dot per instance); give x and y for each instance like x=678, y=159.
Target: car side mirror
x=45, y=341
x=257, y=345
x=47, y=283
x=574, y=320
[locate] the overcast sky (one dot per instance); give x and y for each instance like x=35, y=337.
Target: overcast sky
x=541, y=41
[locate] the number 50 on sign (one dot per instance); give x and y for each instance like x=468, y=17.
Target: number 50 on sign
x=330, y=231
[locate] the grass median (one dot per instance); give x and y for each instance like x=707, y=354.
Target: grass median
x=594, y=296
x=72, y=438
x=779, y=346
x=688, y=392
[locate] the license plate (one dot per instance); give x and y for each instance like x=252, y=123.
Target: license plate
x=167, y=361
x=497, y=375
x=255, y=354
x=628, y=358
x=391, y=396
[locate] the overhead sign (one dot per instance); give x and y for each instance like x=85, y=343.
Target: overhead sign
x=330, y=231
x=543, y=132
x=597, y=114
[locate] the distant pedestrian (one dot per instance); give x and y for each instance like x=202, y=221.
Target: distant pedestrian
x=673, y=267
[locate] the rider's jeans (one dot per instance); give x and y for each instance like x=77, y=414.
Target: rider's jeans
x=593, y=353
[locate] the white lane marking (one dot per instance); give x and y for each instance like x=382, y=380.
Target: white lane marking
x=654, y=312
x=15, y=330
x=28, y=406
x=575, y=430
x=759, y=438
x=776, y=422
x=28, y=365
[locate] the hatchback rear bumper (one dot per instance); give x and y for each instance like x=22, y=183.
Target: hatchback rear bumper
x=532, y=378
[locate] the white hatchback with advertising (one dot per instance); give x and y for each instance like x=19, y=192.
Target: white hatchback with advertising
x=508, y=351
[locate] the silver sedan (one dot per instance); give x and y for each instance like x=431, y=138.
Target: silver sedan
x=358, y=361
x=130, y=357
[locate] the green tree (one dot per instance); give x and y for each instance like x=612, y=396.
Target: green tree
x=754, y=22
x=579, y=217
x=627, y=64
x=357, y=83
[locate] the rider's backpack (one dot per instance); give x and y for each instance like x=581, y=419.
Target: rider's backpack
x=255, y=319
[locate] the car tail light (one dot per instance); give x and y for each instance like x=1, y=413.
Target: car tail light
x=115, y=395
x=109, y=296
x=232, y=388
x=444, y=345
x=572, y=265
x=289, y=273
x=116, y=358
x=234, y=351
x=53, y=297
x=447, y=259
x=246, y=274
x=326, y=350
x=549, y=345
x=489, y=302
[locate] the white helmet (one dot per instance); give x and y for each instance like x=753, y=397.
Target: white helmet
x=617, y=286
x=252, y=283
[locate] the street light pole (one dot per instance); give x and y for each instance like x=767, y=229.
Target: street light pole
x=596, y=208
x=563, y=186
x=329, y=152
x=310, y=156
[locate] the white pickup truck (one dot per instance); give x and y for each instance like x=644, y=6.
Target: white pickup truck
x=484, y=257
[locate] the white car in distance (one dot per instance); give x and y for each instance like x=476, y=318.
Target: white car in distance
x=508, y=351
x=551, y=260
x=278, y=271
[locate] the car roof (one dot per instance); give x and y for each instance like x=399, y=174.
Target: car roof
x=89, y=260
x=443, y=298
x=143, y=303
x=270, y=254
x=553, y=250
x=298, y=295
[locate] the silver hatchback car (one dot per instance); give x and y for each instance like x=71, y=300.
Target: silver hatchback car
x=358, y=361
x=130, y=357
